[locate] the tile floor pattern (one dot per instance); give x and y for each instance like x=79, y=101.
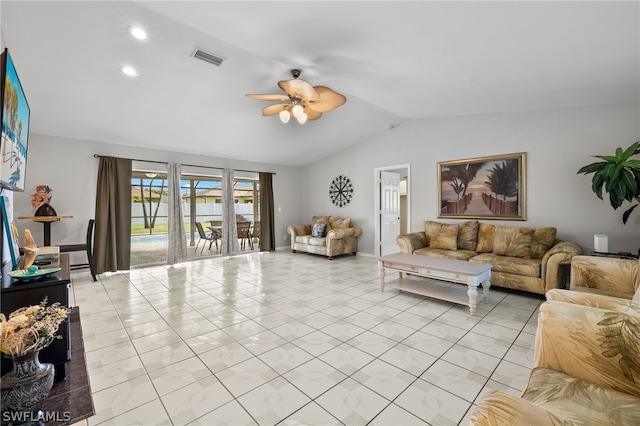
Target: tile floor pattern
x=291, y=339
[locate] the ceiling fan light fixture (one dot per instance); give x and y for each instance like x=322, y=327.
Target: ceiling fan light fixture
x=301, y=100
x=297, y=111
x=284, y=116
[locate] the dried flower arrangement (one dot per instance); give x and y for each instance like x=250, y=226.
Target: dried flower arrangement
x=31, y=328
x=42, y=196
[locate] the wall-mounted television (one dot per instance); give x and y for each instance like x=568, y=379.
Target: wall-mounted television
x=15, y=127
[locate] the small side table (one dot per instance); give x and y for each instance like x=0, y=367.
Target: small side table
x=46, y=221
x=565, y=273
x=618, y=255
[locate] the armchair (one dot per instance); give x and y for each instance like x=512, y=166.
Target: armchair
x=607, y=276
x=607, y=283
x=586, y=371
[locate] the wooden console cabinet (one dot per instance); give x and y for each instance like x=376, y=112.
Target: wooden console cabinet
x=16, y=294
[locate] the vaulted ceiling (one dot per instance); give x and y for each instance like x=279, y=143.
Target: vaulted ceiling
x=394, y=61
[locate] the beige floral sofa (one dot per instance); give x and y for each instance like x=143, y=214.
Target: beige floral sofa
x=335, y=236
x=587, y=370
x=522, y=258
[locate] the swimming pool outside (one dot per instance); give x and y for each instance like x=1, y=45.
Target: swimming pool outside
x=156, y=238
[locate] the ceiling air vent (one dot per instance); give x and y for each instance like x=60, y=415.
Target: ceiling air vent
x=207, y=57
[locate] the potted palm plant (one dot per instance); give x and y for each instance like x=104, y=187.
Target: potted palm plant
x=619, y=175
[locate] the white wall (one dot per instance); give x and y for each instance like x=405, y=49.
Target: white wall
x=557, y=142
x=69, y=168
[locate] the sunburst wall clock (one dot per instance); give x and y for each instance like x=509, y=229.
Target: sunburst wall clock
x=341, y=191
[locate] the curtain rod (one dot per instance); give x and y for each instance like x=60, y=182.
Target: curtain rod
x=188, y=165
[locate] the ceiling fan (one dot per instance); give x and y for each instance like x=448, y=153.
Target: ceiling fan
x=301, y=101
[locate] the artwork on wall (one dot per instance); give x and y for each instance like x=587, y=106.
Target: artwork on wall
x=10, y=237
x=15, y=127
x=341, y=191
x=483, y=188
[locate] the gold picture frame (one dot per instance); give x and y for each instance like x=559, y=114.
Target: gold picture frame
x=491, y=187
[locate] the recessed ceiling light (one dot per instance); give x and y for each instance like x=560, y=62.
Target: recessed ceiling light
x=138, y=33
x=130, y=71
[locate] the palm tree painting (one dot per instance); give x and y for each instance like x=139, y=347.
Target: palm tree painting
x=15, y=128
x=483, y=188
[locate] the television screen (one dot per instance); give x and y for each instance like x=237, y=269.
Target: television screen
x=15, y=127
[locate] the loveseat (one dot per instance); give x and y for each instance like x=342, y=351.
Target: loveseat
x=325, y=235
x=586, y=371
x=522, y=258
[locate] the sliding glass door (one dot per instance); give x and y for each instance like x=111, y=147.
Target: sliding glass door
x=201, y=202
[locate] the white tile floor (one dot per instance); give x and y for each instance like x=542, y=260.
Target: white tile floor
x=292, y=339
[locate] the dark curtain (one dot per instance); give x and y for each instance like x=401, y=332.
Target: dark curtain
x=267, y=234
x=112, y=241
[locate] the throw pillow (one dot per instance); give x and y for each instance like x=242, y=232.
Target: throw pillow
x=513, y=242
x=336, y=223
x=431, y=229
x=542, y=240
x=318, y=229
x=468, y=235
x=446, y=238
x=321, y=219
x=486, y=233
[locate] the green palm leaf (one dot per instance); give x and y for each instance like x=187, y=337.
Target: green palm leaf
x=618, y=175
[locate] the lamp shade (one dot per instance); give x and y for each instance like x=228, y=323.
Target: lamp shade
x=600, y=243
x=297, y=111
x=285, y=116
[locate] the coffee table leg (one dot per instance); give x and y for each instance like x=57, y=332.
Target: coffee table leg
x=381, y=274
x=485, y=290
x=473, y=298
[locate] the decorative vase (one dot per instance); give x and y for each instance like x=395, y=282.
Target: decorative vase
x=25, y=389
x=46, y=210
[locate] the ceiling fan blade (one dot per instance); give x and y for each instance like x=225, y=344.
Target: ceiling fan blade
x=274, y=109
x=328, y=100
x=269, y=97
x=312, y=114
x=299, y=89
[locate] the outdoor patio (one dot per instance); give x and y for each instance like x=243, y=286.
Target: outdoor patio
x=144, y=254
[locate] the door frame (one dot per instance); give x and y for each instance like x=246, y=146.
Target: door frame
x=404, y=170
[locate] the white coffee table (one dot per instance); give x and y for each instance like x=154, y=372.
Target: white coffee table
x=444, y=273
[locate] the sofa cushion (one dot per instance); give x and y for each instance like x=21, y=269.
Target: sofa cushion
x=441, y=235
x=311, y=241
x=321, y=219
x=446, y=254
x=486, y=233
x=337, y=223
x=513, y=242
x=542, y=241
x=468, y=235
x=510, y=265
x=318, y=229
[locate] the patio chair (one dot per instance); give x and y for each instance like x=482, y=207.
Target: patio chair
x=204, y=236
x=254, y=233
x=243, y=233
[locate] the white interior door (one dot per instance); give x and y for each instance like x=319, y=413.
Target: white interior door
x=389, y=212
